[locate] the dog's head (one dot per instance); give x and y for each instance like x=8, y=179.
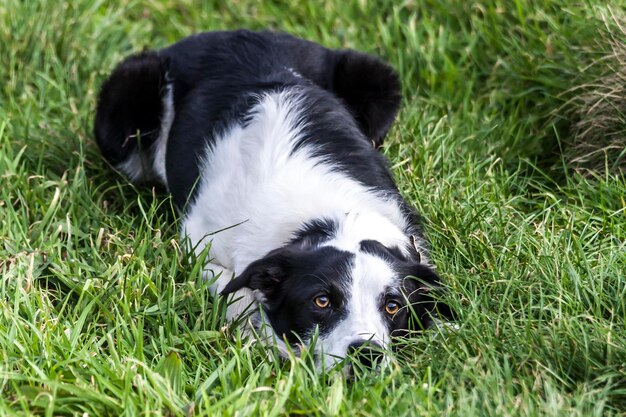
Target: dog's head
x=354, y=303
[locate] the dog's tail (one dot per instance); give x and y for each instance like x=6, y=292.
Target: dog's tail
x=134, y=115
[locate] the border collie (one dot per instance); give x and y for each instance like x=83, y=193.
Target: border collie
x=268, y=146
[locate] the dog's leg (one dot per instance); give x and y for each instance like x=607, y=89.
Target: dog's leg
x=134, y=116
x=218, y=276
x=241, y=302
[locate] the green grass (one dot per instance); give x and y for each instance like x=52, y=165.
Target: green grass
x=101, y=313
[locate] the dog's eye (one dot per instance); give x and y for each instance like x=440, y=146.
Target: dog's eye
x=322, y=301
x=392, y=307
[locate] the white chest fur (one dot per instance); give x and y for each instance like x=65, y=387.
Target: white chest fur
x=256, y=191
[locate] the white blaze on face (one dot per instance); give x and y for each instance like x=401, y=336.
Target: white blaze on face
x=365, y=316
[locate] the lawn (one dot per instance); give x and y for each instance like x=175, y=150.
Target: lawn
x=102, y=314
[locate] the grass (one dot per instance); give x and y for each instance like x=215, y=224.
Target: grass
x=101, y=313
x=598, y=141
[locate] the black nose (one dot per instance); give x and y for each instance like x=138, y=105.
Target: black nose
x=369, y=354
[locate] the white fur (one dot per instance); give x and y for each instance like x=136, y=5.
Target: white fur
x=134, y=167
x=294, y=72
x=166, y=125
x=362, y=224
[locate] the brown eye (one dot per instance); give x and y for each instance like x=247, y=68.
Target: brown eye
x=322, y=301
x=392, y=307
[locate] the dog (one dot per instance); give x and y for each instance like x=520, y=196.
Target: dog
x=267, y=144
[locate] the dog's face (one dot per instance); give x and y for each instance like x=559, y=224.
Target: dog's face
x=354, y=302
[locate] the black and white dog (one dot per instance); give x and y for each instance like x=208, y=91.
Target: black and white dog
x=267, y=144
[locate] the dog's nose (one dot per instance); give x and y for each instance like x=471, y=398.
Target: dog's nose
x=369, y=354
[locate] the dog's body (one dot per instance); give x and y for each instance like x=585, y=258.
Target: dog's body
x=267, y=144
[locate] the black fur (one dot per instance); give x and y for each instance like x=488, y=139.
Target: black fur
x=289, y=278
x=371, y=91
x=130, y=106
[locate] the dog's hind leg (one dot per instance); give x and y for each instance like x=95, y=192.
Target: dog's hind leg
x=134, y=116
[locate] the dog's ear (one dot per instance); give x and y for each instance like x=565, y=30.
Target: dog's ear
x=265, y=275
x=370, y=88
x=424, y=291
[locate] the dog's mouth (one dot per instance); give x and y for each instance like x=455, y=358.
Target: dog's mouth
x=360, y=358
x=367, y=355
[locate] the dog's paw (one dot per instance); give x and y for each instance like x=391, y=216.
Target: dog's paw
x=241, y=302
x=217, y=276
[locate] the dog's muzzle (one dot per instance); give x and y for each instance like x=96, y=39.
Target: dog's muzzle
x=366, y=353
